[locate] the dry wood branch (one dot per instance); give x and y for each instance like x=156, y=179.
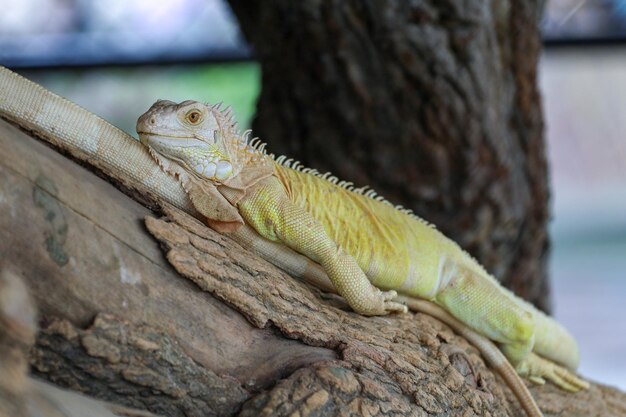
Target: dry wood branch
x=399, y=365
x=82, y=249
x=21, y=396
x=120, y=324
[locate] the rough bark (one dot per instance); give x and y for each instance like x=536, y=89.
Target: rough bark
x=432, y=103
x=107, y=297
x=237, y=337
x=21, y=396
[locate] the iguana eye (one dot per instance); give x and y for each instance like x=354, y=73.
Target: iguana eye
x=193, y=117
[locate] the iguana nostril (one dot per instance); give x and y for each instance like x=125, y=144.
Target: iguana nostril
x=153, y=120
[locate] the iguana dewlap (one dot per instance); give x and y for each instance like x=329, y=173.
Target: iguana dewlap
x=362, y=242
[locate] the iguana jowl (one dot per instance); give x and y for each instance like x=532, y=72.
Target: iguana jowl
x=362, y=242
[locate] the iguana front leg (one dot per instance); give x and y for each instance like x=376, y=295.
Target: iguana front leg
x=270, y=212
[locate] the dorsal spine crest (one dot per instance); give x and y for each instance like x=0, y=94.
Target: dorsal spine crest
x=253, y=150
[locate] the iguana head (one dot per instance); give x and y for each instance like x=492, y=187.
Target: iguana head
x=199, y=137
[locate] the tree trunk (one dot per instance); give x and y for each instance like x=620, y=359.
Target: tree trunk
x=432, y=103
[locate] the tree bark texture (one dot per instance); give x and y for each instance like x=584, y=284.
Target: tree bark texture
x=223, y=332
x=116, y=320
x=432, y=103
x=21, y=396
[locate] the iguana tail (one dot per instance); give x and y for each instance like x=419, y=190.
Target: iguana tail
x=302, y=267
x=488, y=350
x=86, y=137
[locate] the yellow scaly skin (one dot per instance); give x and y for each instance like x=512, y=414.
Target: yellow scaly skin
x=360, y=241
x=363, y=243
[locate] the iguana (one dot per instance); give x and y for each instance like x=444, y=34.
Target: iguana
x=369, y=249
x=92, y=140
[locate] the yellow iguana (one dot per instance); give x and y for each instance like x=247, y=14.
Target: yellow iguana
x=363, y=243
x=235, y=185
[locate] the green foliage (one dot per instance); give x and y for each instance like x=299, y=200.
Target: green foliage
x=120, y=95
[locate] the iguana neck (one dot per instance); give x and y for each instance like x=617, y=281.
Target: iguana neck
x=243, y=152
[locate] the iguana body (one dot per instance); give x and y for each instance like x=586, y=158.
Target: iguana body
x=399, y=251
x=363, y=243
x=90, y=139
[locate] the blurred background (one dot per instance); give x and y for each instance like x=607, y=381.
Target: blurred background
x=116, y=57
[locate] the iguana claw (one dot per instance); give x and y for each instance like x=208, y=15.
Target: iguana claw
x=381, y=303
x=390, y=305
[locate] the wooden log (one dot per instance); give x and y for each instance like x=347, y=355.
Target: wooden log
x=82, y=248
x=21, y=396
x=237, y=337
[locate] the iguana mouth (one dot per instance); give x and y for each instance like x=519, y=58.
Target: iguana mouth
x=148, y=138
x=201, y=158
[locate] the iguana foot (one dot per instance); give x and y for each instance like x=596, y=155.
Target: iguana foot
x=391, y=306
x=379, y=303
x=538, y=370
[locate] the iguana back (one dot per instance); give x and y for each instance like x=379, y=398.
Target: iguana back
x=395, y=248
